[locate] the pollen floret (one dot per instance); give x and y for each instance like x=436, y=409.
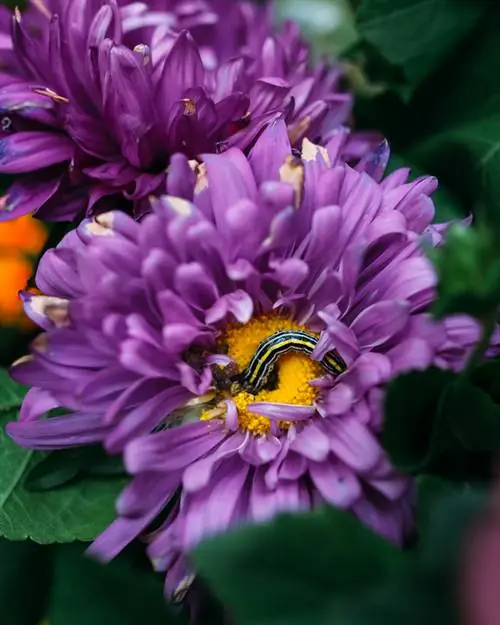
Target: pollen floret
x=97, y=96
x=138, y=316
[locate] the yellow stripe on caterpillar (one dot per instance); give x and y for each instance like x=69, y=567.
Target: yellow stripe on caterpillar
x=264, y=360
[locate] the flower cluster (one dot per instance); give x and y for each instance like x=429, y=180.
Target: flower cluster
x=98, y=97
x=150, y=327
x=243, y=279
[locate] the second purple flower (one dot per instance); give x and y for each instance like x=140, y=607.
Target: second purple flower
x=99, y=95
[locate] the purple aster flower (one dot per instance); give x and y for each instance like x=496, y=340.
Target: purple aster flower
x=99, y=96
x=152, y=328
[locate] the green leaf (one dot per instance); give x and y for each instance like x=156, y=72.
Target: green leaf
x=296, y=568
x=416, y=35
x=468, y=268
x=426, y=591
x=86, y=592
x=467, y=158
x=58, y=468
x=474, y=417
x=66, y=465
x=467, y=83
x=445, y=515
x=103, y=465
x=412, y=434
x=11, y=393
x=76, y=512
x=19, y=562
x=431, y=490
x=486, y=376
x=448, y=522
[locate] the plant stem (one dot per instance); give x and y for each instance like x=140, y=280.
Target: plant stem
x=475, y=358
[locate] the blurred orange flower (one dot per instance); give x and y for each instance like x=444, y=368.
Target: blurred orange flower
x=20, y=239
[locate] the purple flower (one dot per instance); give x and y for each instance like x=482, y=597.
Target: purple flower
x=148, y=323
x=99, y=96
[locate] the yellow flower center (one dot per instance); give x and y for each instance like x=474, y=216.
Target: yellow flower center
x=295, y=370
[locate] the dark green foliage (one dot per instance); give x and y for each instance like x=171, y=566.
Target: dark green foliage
x=25, y=580
x=125, y=592
x=415, y=36
x=67, y=465
x=297, y=569
x=325, y=567
x=415, y=433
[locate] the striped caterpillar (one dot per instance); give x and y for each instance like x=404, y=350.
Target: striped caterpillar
x=262, y=365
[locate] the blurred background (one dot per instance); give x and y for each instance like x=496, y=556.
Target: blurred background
x=21, y=242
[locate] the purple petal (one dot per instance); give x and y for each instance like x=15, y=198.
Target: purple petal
x=177, y=337
x=261, y=450
x=195, y=285
x=282, y=412
x=387, y=481
x=383, y=518
x=193, y=381
x=231, y=179
x=338, y=400
x=290, y=272
x=182, y=69
x=145, y=417
x=25, y=151
x=58, y=432
x=144, y=491
x=369, y=370
x=266, y=503
x=294, y=466
x=172, y=449
x=27, y=195
x=181, y=178
x=375, y=161
x=104, y=386
x=378, y=323
x=270, y=152
x=123, y=531
x=238, y=303
x=311, y=443
x=354, y=444
x=337, y=484
x=198, y=474
x=267, y=94
x=212, y=510
x=413, y=353
x=36, y=402
x=21, y=99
